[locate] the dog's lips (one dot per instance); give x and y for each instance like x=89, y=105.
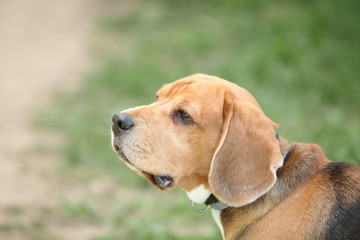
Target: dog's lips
x=121, y=154
x=162, y=182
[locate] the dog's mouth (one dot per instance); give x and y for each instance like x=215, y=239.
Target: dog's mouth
x=163, y=182
x=121, y=154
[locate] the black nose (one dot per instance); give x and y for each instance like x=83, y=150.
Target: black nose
x=121, y=122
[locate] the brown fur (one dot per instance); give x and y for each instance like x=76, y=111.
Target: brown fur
x=288, y=204
x=231, y=149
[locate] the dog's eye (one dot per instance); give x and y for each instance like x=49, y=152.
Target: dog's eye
x=183, y=117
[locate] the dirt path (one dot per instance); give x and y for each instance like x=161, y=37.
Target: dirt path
x=43, y=48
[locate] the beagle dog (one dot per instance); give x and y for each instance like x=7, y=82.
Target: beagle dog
x=210, y=137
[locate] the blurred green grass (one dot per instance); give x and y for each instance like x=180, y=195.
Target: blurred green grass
x=300, y=59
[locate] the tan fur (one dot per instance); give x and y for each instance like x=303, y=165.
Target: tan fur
x=231, y=149
x=239, y=175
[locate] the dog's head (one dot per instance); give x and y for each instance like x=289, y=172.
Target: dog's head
x=201, y=131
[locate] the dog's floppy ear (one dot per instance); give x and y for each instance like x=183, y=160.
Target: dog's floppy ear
x=245, y=161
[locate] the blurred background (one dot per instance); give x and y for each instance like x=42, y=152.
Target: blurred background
x=67, y=66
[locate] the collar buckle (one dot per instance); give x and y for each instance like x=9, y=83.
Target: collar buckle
x=199, y=210
x=212, y=202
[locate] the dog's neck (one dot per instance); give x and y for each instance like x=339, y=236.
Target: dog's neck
x=203, y=195
x=199, y=194
x=300, y=166
x=302, y=163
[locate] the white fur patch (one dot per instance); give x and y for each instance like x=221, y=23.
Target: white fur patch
x=199, y=194
x=216, y=216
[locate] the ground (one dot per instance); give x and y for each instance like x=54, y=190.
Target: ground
x=44, y=48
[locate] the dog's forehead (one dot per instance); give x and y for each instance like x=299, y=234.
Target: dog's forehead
x=199, y=86
x=192, y=88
